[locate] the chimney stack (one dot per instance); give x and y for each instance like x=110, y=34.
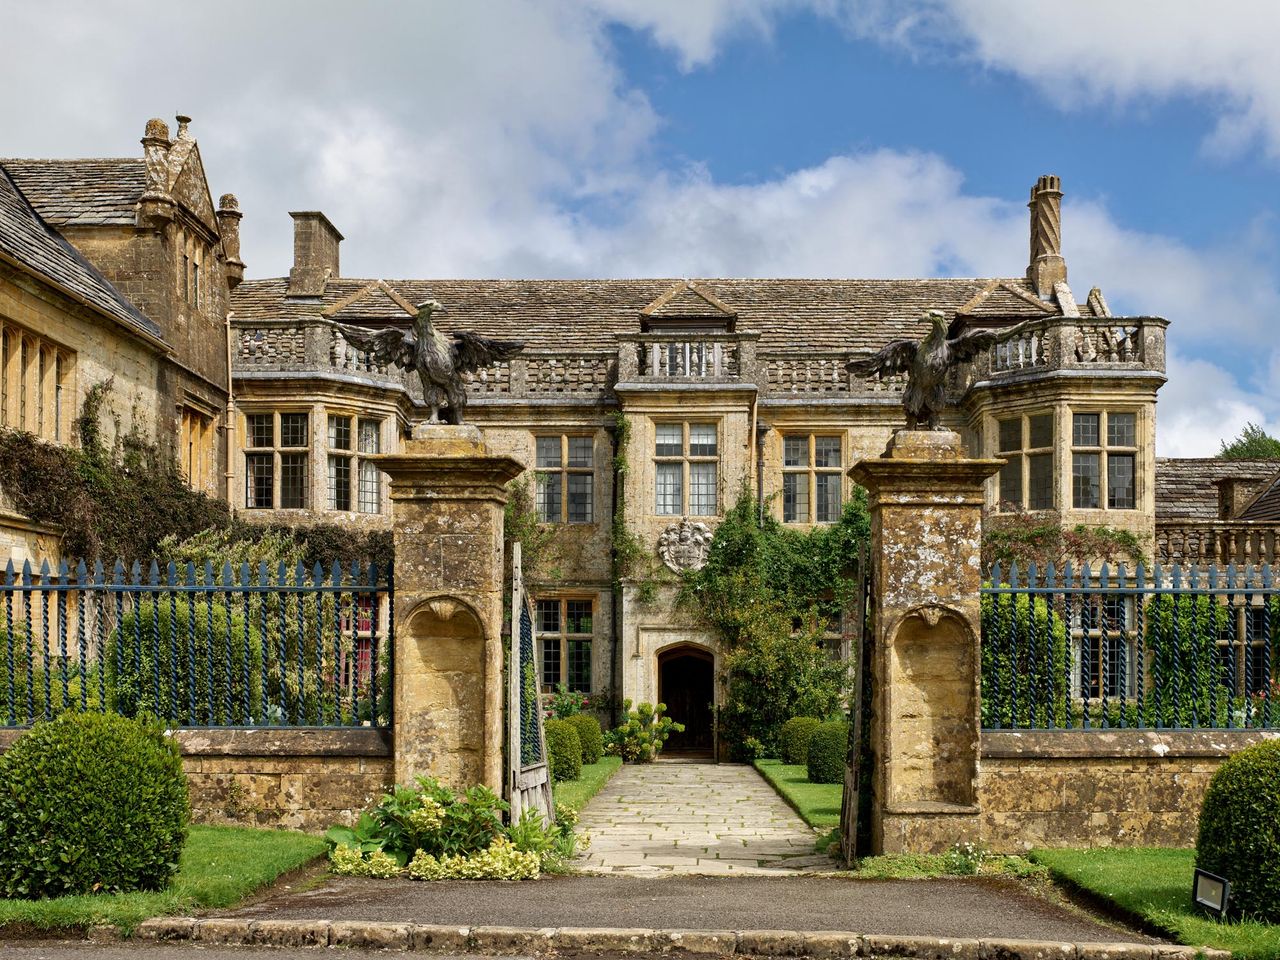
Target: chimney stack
x=1047, y=266
x=229, y=227
x=315, y=253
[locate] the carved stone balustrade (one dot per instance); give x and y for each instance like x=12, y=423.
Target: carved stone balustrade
x=687, y=357
x=1220, y=541
x=1074, y=343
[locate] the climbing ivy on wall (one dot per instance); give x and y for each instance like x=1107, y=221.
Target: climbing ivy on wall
x=110, y=502
x=632, y=560
x=769, y=591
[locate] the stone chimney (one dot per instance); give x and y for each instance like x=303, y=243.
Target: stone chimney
x=1047, y=266
x=156, y=206
x=315, y=253
x=229, y=227
x=1236, y=493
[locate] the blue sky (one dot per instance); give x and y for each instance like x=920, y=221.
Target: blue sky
x=723, y=137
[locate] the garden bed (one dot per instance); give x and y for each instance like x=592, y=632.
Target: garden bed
x=1153, y=887
x=220, y=867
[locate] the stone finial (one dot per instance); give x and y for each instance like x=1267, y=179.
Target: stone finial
x=155, y=206
x=1046, y=266
x=157, y=129
x=184, y=124
x=229, y=216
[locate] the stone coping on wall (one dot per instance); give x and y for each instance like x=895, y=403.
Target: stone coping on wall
x=1129, y=744
x=267, y=741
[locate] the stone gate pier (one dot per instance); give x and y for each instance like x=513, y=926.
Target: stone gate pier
x=448, y=495
x=926, y=501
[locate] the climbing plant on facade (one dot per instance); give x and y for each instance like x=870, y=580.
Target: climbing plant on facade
x=770, y=591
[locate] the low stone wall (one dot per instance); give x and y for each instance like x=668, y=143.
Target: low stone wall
x=1094, y=788
x=303, y=779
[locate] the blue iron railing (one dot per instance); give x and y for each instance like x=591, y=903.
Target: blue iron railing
x=1160, y=648
x=198, y=646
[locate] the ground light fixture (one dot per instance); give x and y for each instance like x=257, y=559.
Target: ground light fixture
x=1211, y=892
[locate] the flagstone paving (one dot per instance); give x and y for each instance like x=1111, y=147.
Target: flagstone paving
x=695, y=818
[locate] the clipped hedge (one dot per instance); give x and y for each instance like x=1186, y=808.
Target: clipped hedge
x=1240, y=830
x=564, y=750
x=91, y=803
x=589, y=735
x=828, y=747
x=793, y=739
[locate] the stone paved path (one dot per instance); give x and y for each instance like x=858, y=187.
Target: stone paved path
x=695, y=818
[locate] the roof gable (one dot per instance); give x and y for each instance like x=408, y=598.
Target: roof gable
x=1265, y=506
x=188, y=184
x=685, y=299
x=373, y=299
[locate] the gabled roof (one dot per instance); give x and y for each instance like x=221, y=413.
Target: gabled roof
x=26, y=238
x=69, y=193
x=1185, y=485
x=790, y=315
x=1265, y=506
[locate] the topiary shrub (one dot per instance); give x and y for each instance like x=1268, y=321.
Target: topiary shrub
x=1240, y=830
x=91, y=803
x=564, y=750
x=827, y=749
x=589, y=735
x=793, y=739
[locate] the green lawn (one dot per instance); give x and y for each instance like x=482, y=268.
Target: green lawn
x=219, y=867
x=817, y=803
x=1154, y=885
x=576, y=793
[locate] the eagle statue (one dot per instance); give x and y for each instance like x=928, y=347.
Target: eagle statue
x=439, y=363
x=926, y=363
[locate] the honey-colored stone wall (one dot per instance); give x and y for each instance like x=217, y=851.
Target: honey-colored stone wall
x=1095, y=788
x=272, y=777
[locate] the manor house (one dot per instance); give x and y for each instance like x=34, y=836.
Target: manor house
x=702, y=388
x=643, y=405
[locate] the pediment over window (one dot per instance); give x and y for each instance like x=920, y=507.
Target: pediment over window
x=688, y=306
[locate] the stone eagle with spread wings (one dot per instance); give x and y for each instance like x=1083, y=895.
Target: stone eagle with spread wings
x=926, y=363
x=439, y=363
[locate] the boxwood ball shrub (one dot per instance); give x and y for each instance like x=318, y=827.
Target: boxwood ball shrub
x=589, y=735
x=91, y=803
x=793, y=739
x=564, y=750
x=1240, y=830
x=827, y=749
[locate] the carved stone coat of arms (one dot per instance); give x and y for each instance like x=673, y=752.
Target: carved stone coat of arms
x=684, y=545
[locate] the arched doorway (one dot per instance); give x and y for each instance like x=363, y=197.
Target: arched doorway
x=686, y=684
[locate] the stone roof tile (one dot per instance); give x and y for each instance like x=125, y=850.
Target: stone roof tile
x=69, y=193
x=790, y=315
x=1185, y=488
x=26, y=238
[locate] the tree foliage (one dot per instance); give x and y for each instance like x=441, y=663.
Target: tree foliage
x=1027, y=538
x=1253, y=443
x=770, y=592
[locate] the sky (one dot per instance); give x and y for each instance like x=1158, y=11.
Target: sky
x=752, y=138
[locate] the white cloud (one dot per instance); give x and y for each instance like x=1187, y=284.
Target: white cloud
x=501, y=139
x=1092, y=51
